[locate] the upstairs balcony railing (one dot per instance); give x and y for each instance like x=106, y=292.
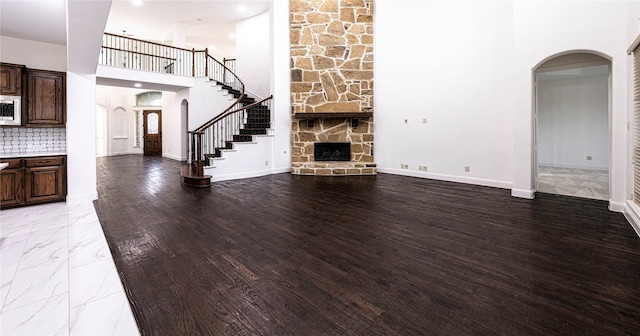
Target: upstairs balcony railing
x=130, y=53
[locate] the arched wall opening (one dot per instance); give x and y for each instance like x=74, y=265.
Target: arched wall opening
x=572, y=137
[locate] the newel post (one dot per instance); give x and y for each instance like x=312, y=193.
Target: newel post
x=206, y=62
x=193, y=62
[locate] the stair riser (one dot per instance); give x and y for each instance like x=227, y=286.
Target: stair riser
x=253, y=132
x=257, y=126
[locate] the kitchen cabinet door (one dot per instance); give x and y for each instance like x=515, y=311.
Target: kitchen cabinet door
x=46, y=106
x=45, y=184
x=10, y=79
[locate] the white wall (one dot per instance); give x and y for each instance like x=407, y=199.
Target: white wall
x=30, y=53
x=205, y=102
x=467, y=67
x=252, y=53
x=171, y=127
x=118, y=103
x=81, y=134
x=281, y=85
x=451, y=64
x=573, y=122
x=543, y=29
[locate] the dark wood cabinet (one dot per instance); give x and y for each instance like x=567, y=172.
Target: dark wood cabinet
x=33, y=180
x=45, y=179
x=12, y=191
x=46, y=95
x=10, y=79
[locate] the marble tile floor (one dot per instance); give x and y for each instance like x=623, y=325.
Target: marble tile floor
x=586, y=183
x=57, y=274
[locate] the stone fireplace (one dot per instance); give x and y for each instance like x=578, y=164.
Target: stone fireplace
x=332, y=85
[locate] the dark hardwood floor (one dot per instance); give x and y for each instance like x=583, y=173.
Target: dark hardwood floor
x=375, y=255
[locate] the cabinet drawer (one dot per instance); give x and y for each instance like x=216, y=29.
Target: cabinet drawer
x=13, y=163
x=44, y=161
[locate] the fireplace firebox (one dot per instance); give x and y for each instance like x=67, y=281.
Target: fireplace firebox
x=332, y=151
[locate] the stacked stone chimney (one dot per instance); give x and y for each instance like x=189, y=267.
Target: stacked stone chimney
x=332, y=83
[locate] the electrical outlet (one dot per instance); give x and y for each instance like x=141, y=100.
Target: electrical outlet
x=266, y=163
x=589, y=158
x=423, y=168
x=424, y=120
x=467, y=169
x=404, y=166
x=406, y=121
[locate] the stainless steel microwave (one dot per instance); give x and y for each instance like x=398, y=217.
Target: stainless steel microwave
x=10, y=111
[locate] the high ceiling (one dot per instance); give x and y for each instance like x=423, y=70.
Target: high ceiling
x=204, y=23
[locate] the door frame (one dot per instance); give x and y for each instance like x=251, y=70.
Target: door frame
x=604, y=59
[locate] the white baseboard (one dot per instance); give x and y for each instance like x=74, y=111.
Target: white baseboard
x=281, y=170
x=632, y=214
x=523, y=193
x=236, y=176
x=450, y=178
x=616, y=206
x=173, y=157
x=82, y=198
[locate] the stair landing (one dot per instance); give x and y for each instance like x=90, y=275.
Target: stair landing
x=194, y=181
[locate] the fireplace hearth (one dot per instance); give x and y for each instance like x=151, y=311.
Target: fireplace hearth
x=332, y=151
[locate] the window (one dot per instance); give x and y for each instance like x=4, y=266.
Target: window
x=153, y=98
x=137, y=128
x=152, y=123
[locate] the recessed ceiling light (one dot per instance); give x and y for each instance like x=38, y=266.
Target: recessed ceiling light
x=137, y=3
x=232, y=36
x=137, y=85
x=242, y=8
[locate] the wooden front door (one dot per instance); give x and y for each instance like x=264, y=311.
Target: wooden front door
x=153, y=132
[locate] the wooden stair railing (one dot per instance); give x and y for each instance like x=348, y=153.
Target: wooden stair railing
x=239, y=122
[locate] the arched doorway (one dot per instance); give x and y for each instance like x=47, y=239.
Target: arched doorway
x=572, y=139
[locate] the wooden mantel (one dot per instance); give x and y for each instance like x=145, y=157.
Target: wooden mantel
x=328, y=115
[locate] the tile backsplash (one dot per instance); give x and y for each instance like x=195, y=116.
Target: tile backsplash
x=21, y=139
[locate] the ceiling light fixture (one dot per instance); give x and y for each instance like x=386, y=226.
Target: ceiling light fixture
x=137, y=85
x=242, y=8
x=137, y=3
x=232, y=36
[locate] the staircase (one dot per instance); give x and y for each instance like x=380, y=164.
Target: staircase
x=246, y=118
x=255, y=121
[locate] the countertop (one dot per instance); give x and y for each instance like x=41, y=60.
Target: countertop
x=29, y=154
x=3, y=165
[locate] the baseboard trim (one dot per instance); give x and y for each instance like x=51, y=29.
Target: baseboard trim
x=449, y=178
x=173, y=157
x=226, y=177
x=616, y=206
x=282, y=170
x=523, y=193
x=632, y=214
